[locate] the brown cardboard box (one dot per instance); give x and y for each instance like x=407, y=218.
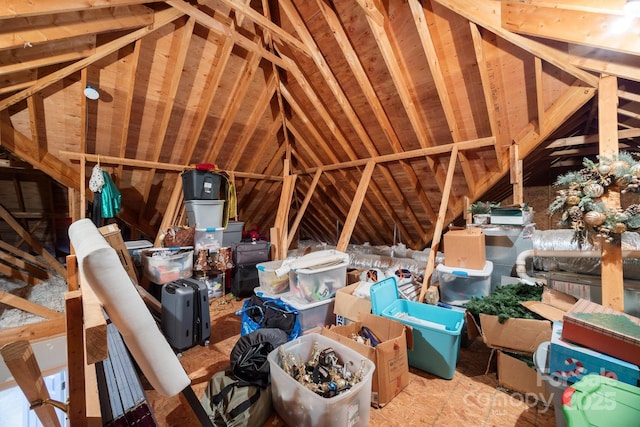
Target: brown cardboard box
x=522, y=335
x=465, y=248
x=390, y=356
x=348, y=307
x=516, y=375
x=113, y=236
x=353, y=275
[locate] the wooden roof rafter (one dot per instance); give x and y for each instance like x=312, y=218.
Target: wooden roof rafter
x=260, y=106
x=20, y=8
x=128, y=105
x=225, y=30
x=177, y=58
x=486, y=13
x=29, y=31
x=496, y=131
x=424, y=33
x=594, y=27
x=375, y=104
x=212, y=83
x=161, y=19
x=234, y=100
x=343, y=101
x=268, y=25
x=51, y=53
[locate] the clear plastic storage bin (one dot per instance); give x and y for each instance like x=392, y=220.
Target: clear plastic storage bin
x=204, y=213
x=318, y=275
x=165, y=265
x=299, y=406
x=270, y=282
x=459, y=285
x=208, y=238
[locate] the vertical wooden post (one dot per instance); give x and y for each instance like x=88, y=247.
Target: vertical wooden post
x=612, y=278
x=515, y=170
x=356, y=205
x=442, y=214
x=75, y=360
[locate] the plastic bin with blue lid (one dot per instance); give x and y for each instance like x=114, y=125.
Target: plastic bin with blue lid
x=436, y=330
x=598, y=401
x=459, y=285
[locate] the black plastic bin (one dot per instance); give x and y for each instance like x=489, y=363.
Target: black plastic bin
x=201, y=185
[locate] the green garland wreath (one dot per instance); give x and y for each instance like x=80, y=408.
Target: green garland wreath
x=580, y=201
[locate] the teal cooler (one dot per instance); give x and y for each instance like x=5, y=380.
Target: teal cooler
x=600, y=401
x=436, y=330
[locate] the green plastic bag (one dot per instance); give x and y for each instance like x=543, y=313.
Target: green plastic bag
x=233, y=403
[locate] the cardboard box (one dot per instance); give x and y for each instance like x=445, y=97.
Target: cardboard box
x=571, y=361
x=353, y=275
x=603, y=329
x=523, y=335
x=348, y=307
x=113, y=236
x=390, y=356
x=465, y=248
x=516, y=375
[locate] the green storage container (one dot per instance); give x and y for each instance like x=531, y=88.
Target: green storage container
x=600, y=401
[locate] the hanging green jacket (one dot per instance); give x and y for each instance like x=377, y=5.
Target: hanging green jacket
x=111, y=197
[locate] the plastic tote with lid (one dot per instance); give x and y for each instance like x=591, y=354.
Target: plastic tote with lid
x=436, y=330
x=316, y=276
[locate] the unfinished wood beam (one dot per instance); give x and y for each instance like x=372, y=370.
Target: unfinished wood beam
x=515, y=168
x=260, y=106
x=77, y=412
x=486, y=13
x=212, y=83
x=356, y=204
x=232, y=106
x=222, y=29
x=282, y=215
x=180, y=46
x=129, y=90
x=22, y=363
x=489, y=94
x=374, y=102
x=589, y=27
x=20, y=8
x=539, y=94
x=143, y=164
x=442, y=215
x=160, y=19
x=35, y=245
x=274, y=30
x=303, y=207
x=611, y=262
x=50, y=53
x=33, y=331
x=16, y=33
x=590, y=139
x=420, y=21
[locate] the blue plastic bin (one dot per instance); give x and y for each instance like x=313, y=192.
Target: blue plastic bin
x=436, y=330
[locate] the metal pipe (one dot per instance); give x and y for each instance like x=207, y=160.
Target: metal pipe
x=521, y=269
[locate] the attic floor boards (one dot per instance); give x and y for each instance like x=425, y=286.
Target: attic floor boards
x=471, y=398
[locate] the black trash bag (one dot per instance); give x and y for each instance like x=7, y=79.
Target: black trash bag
x=249, y=355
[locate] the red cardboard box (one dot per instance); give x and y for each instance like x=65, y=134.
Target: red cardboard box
x=465, y=248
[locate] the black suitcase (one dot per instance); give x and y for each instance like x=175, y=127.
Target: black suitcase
x=250, y=252
x=244, y=278
x=185, y=315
